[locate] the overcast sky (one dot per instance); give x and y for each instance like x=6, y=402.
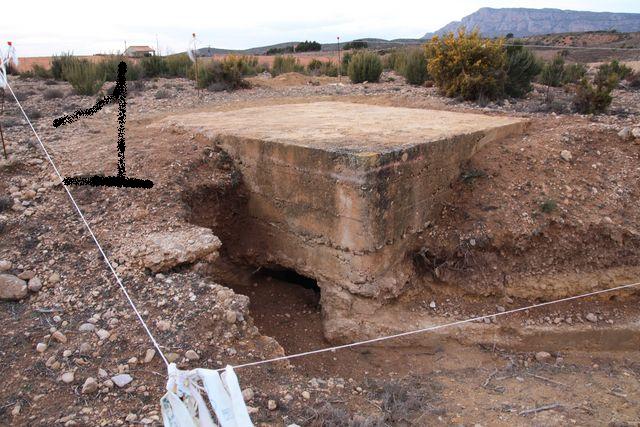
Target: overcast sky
x=48, y=27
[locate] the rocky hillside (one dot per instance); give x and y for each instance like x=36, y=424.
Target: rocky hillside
x=526, y=22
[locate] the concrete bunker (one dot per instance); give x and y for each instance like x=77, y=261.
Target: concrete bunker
x=337, y=192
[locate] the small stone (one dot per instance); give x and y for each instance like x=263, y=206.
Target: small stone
x=59, y=336
x=90, y=386
x=12, y=288
x=27, y=275
x=164, y=325
x=41, y=347
x=50, y=361
x=87, y=327
x=103, y=334
x=635, y=132
x=67, y=377
x=172, y=357
x=272, y=405
x=85, y=348
x=148, y=356
x=102, y=373
x=230, y=316
x=543, y=356
x=247, y=394
x=592, y=318
x=432, y=304
x=54, y=278
x=625, y=133
x=131, y=418
x=191, y=355
x=5, y=265
x=122, y=380
x=306, y=395
x=566, y=155
x=67, y=353
x=35, y=284
x=29, y=194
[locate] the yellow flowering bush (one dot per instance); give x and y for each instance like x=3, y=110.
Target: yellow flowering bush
x=467, y=65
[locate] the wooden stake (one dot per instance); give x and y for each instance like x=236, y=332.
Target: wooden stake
x=195, y=55
x=339, y=63
x=4, y=149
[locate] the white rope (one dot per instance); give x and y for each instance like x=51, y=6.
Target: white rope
x=431, y=328
x=93, y=236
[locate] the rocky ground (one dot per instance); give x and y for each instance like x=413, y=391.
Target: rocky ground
x=565, y=195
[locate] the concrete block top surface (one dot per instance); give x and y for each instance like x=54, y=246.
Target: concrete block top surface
x=340, y=126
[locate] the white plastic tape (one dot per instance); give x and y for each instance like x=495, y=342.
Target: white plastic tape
x=183, y=405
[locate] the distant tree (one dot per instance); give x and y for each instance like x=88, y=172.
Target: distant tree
x=356, y=44
x=509, y=36
x=307, y=46
x=279, y=50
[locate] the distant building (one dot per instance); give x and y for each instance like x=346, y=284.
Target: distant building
x=138, y=51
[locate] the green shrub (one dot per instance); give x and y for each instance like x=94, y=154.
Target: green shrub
x=415, y=67
x=468, y=66
x=594, y=99
x=548, y=206
x=286, y=64
x=356, y=44
x=615, y=67
x=307, y=46
x=319, y=68
x=314, y=65
x=38, y=71
x=553, y=72
x=162, y=94
x=153, y=66
x=109, y=66
x=85, y=77
x=53, y=94
x=574, y=73
x=611, y=74
x=344, y=63
x=522, y=67
x=221, y=75
x=59, y=62
x=248, y=65
x=34, y=114
x=395, y=60
x=178, y=65
x=365, y=67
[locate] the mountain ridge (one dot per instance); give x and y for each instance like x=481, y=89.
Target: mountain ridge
x=523, y=22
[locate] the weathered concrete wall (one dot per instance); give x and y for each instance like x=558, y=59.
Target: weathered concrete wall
x=337, y=191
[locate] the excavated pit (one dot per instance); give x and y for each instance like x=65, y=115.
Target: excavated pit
x=335, y=192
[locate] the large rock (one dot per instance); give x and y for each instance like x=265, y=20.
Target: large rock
x=163, y=251
x=12, y=288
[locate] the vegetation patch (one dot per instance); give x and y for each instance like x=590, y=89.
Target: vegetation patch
x=365, y=67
